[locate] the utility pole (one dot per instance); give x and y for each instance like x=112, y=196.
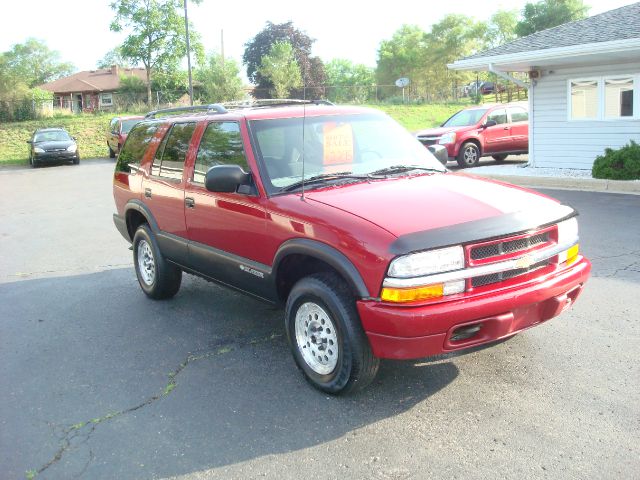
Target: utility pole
x=186, y=27
x=222, y=45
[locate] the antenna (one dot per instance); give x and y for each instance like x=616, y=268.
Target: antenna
x=304, y=117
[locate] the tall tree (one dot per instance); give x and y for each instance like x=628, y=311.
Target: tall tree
x=157, y=37
x=348, y=81
x=281, y=68
x=549, y=13
x=311, y=68
x=113, y=57
x=502, y=28
x=33, y=64
x=220, y=79
x=404, y=55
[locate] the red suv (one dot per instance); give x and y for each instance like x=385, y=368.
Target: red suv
x=119, y=128
x=374, y=249
x=496, y=131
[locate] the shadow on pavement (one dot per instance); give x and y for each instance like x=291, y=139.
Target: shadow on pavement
x=103, y=383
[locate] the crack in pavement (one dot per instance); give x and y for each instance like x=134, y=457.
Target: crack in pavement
x=632, y=267
x=84, y=430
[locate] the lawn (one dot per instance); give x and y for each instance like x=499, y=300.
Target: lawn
x=90, y=129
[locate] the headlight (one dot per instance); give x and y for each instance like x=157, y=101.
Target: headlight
x=426, y=263
x=447, y=138
x=568, y=234
x=72, y=148
x=38, y=150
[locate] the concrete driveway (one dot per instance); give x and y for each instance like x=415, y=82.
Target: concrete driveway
x=99, y=382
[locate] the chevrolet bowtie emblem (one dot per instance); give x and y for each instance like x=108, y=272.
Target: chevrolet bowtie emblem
x=524, y=262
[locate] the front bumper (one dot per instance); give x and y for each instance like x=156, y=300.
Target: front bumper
x=55, y=157
x=405, y=332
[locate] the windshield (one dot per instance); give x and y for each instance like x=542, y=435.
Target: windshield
x=465, y=118
x=52, y=136
x=127, y=125
x=355, y=145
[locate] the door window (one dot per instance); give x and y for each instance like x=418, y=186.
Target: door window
x=518, y=114
x=170, y=156
x=134, y=148
x=499, y=116
x=221, y=144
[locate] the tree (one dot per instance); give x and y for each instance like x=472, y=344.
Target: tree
x=348, y=81
x=404, y=55
x=281, y=68
x=549, y=13
x=502, y=28
x=113, y=57
x=33, y=64
x=220, y=79
x=157, y=37
x=311, y=68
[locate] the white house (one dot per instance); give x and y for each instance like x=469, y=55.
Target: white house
x=584, y=85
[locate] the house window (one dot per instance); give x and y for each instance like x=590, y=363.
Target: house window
x=618, y=98
x=106, y=99
x=584, y=100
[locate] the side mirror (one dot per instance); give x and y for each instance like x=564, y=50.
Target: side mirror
x=226, y=178
x=490, y=123
x=29, y=141
x=440, y=153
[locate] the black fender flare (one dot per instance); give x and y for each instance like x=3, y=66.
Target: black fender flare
x=138, y=206
x=327, y=254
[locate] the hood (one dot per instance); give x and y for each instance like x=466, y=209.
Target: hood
x=436, y=132
x=413, y=204
x=53, y=145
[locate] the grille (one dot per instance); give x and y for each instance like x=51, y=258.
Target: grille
x=428, y=140
x=497, y=277
x=508, y=246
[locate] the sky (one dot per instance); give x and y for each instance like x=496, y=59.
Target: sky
x=351, y=29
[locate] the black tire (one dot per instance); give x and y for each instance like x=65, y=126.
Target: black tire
x=33, y=163
x=469, y=155
x=112, y=154
x=355, y=365
x=166, y=278
x=76, y=161
x=500, y=158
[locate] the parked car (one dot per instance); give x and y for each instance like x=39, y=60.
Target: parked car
x=51, y=145
x=497, y=131
x=374, y=249
x=119, y=128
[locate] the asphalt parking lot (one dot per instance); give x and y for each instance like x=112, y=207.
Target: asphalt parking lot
x=100, y=382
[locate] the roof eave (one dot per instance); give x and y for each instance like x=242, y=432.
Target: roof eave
x=538, y=57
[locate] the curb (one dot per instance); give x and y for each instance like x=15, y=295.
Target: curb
x=567, y=183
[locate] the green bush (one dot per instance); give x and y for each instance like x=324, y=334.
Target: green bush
x=621, y=164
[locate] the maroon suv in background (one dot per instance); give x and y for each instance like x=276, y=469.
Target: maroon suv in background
x=119, y=128
x=496, y=131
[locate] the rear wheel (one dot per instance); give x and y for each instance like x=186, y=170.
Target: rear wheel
x=469, y=155
x=500, y=158
x=158, y=278
x=326, y=337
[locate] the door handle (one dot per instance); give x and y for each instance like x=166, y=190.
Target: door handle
x=189, y=202
x=507, y=128
x=147, y=192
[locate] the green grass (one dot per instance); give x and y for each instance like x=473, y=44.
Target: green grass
x=91, y=129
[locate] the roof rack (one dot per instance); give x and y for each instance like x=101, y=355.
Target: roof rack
x=274, y=102
x=211, y=108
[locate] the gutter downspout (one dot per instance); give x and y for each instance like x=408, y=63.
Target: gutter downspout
x=528, y=86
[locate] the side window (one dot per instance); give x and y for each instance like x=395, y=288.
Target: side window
x=170, y=156
x=221, y=144
x=500, y=116
x=112, y=125
x=134, y=147
x=518, y=114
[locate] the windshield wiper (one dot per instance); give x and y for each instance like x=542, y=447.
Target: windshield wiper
x=403, y=168
x=324, y=177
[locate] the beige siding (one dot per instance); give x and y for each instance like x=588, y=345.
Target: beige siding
x=559, y=142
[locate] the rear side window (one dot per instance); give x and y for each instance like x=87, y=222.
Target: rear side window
x=170, y=156
x=518, y=114
x=134, y=148
x=221, y=144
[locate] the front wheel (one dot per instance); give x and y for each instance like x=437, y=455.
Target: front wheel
x=500, y=158
x=469, y=155
x=158, y=278
x=112, y=154
x=326, y=337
